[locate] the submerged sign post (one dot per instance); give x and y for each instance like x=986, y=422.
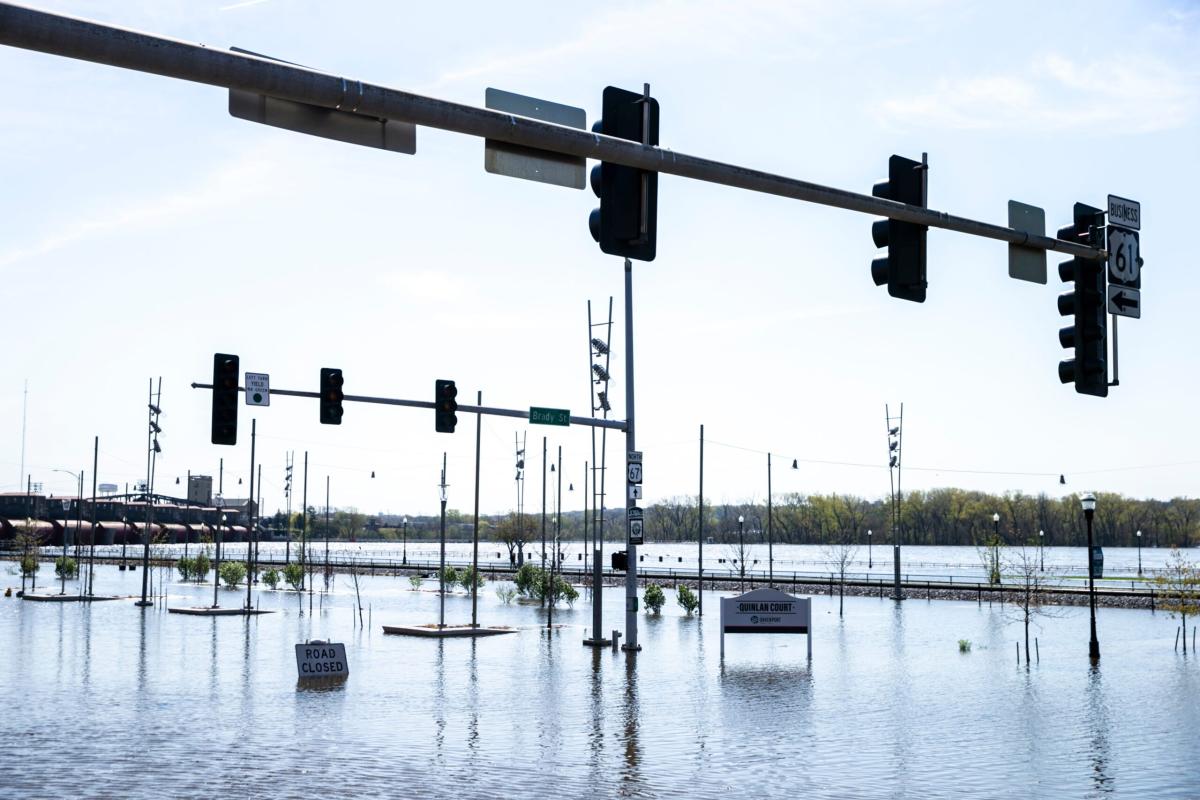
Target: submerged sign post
x=317, y=659
x=766, y=611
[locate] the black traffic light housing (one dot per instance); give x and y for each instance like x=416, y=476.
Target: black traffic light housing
x=225, y=398
x=331, y=396
x=903, y=268
x=625, y=224
x=1086, y=305
x=620, y=561
x=445, y=404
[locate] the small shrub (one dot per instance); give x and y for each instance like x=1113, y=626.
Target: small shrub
x=449, y=577
x=469, y=576
x=506, y=592
x=964, y=645
x=232, y=573
x=29, y=565
x=415, y=582
x=654, y=598
x=186, y=567
x=528, y=579
x=201, y=566
x=564, y=591
x=293, y=574
x=272, y=577
x=65, y=567
x=686, y=599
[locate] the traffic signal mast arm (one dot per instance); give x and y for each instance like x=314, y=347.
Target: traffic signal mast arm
x=614, y=424
x=71, y=37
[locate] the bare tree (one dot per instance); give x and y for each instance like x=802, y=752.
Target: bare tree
x=1029, y=599
x=1179, y=583
x=840, y=555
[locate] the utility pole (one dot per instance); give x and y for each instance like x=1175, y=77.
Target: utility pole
x=442, y=563
x=253, y=524
x=700, y=533
x=631, y=598
x=475, y=534
x=152, y=450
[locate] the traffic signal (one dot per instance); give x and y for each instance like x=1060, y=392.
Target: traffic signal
x=225, y=398
x=620, y=561
x=1087, y=305
x=903, y=268
x=625, y=224
x=331, y=396
x=445, y=404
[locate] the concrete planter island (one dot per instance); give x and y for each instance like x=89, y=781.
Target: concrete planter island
x=71, y=598
x=209, y=611
x=432, y=631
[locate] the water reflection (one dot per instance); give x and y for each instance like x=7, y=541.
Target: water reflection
x=1098, y=725
x=631, y=771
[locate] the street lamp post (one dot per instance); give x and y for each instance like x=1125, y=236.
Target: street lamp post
x=741, y=553
x=1042, y=549
x=994, y=567
x=124, y=538
x=404, y=555
x=870, y=561
x=79, y=508
x=1088, y=501
x=1139, y=541
x=217, y=573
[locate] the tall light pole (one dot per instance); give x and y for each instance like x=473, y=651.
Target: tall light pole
x=741, y=553
x=404, y=553
x=994, y=567
x=79, y=508
x=442, y=564
x=870, y=562
x=217, y=573
x=1139, y=541
x=1042, y=549
x=1088, y=501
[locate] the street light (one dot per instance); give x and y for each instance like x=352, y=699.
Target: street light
x=1042, y=548
x=1139, y=541
x=404, y=557
x=1088, y=501
x=741, y=552
x=870, y=562
x=79, y=509
x=994, y=567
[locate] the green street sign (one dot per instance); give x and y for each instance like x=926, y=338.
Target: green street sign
x=549, y=416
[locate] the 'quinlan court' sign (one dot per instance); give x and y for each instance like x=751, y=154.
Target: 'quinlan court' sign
x=766, y=611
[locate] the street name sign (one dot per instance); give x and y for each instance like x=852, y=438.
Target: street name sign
x=766, y=611
x=318, y=659
x=549, y=416
x=636, y=518
x=1125, y=213
x=258, y=389
x=530, y=163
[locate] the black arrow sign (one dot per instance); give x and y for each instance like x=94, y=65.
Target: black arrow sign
x=1124, y=302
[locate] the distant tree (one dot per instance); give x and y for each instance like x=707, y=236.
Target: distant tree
x=515, y=531
x=1179, y=584
x=840, y=556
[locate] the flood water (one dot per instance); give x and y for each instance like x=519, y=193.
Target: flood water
x=109, y=700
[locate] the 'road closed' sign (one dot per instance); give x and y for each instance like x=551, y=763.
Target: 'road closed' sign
x=318, y=659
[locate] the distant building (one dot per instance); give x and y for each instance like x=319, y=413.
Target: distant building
x=199, y=489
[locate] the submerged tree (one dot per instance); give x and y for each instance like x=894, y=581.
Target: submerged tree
x=1029, y=599
x=1179, y=583
x=840, y=556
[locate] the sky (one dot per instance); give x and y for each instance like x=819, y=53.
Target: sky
x=144, y=229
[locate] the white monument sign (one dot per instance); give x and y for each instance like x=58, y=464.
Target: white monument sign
x=766, y=611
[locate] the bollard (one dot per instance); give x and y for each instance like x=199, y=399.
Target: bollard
x=1037, y=651
x=1018, y=653
x=616, y=634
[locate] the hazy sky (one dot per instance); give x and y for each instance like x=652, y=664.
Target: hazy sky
x=145, y=229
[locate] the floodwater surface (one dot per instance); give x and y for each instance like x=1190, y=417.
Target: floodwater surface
x=110, y=700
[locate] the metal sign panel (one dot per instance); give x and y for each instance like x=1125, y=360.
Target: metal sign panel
x=258, y=389
x=1124, y=301
x=635, y=491
x=328, y=123
x=317, y=659
x=766, y=611
x=636, y=521
x=1125, y=213
x=1026, y=263
x=635, y=472
x=530, y=163
x=634, y=455
x=1124, y=257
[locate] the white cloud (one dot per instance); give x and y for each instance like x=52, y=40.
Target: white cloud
x=244, y=177
x=1125, y=94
